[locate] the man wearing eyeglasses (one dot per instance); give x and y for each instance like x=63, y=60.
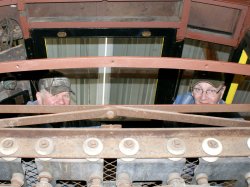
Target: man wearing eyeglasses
x=206, y=88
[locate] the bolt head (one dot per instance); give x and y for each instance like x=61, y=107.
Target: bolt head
x=129, y=144
x=44, y=144
x=212, y=144
x=92, y=143
x=110, y=114
x=8, y=143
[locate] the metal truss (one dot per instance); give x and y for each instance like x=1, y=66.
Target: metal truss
x=160, y=151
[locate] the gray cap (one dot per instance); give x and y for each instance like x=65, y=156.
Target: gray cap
x=213, y=78
x=55, y=85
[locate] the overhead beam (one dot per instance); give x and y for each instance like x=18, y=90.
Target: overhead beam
x=190, y=108
x=114, y=112
x=125, y=62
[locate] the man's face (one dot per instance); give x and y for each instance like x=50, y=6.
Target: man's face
x=46, y=98
x=205, y=93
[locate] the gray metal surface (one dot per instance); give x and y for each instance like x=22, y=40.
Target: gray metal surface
x=229, y=168
x=7, y=168
x=71, y=169
x=149, y=169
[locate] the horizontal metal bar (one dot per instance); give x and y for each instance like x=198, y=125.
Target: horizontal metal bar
x=7, y=2
x=53, y=118
x=125, y=62
x=14, y=2
x=102, y=24
x=178, y=117
x=42, y=109
x=122, y=111
x=152, y=143
x=212, y=37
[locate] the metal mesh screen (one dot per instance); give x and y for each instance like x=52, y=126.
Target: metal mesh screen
x=147, y=184
x=65, y=183
x=30, y=171
x=188, y=174
x=222, y=183
x=188, y=170
x=109, y=169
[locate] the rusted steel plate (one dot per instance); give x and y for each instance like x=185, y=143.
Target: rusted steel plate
x=42, y=109
x=151, y=143
x=122, y=111
x=125, y=62
x=206, y=20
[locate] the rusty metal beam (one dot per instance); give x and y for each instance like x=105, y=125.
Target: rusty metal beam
x=152, y=142
x=42, y=109
x=23, y=19
x=179, y=22
x=102, y=24
x=178, y=117
x=112, y=112
x=211, y=38
x=184, y=20
x=8, y=2
x=125, y=62
x=59, y=1
x=14, y=2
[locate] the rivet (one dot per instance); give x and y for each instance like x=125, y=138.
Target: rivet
x=8, y=143
x=176, y=146
x=110, y=114
x=8, y=146
x=92, y=146
x=129, y=146
x=44, y=146
x=212, y=146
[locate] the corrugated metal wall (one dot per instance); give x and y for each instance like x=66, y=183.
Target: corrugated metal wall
x=128, y=90
x=105, y=89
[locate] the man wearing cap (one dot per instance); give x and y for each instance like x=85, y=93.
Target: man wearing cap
x=53, y=91
x=206, y=88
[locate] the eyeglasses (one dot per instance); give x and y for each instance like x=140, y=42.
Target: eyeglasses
x=210, y=92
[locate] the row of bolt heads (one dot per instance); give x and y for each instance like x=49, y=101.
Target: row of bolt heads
x=128, y=146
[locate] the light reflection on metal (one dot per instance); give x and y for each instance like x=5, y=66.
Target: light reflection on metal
x=62, y=34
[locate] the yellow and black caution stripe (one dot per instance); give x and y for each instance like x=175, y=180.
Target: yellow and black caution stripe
x=236, y=80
